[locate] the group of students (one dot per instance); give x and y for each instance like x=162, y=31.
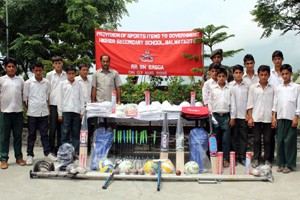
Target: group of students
x=55, y=104
x=266, y=103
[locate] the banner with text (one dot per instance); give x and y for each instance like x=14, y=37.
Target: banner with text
x=149, y=53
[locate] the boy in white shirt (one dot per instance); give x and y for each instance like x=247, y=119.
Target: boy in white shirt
x=206, y=89
x=55, y=77
x=11, y=87
x=286, y=110
x=250, y=76
x=259, y=109
x=239, y=134
x=35, y=97
x=86, y=86
x=70, y=107
x=222, y=106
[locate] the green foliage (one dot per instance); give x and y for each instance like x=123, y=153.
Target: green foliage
x=174, y=92
x=57, y=27
x=212, y=36
x=283, y=15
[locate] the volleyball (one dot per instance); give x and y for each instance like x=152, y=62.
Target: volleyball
x=191, y=168
x=125, y=165
x=150, y=165
x=167, y=167
x=105, y=165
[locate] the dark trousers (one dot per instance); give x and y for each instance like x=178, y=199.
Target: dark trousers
x=34, y=124
x=71, y=127
x=90, y=134
x=239, y=138
x=54, y=130
x=1, y=130
x=222, y=131
x=286, y=144
x=262, y=129
x=11, y=122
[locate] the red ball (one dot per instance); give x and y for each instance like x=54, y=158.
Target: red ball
x=135, y=172
x=152, y=172
x=178, y=172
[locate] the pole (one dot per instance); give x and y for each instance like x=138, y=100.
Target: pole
x=7, y=32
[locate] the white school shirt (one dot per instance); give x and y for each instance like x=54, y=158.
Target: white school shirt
x=54, y=80
x=249, y=80
x=70, y=98
x=287, y=101
x=11, y=90
x=221, y=100
x=206, y=90
x=86, y=87
x=240, y=92
x=261, y=102
x=274, y=78
x=36, y=95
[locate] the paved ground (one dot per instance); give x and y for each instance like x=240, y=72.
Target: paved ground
x=15, y=183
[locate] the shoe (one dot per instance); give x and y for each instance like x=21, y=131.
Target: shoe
x=4, y=164
x=286, y=170
x=255, y=163
x=268, y=163
x=225, y=164
x=29, y=160
x=51, y=157
x=280, y=169
x=21, y=162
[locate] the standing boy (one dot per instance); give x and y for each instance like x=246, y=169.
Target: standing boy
x=206, y=89
x=11, y=87
x=275, y=77
x=222, y=106
x=259, y=109
x=86, y=86
x=250, y=76
x=286, y=110
x=55, y=77
x=70, y=108
x=239, y=136
x=35, y=97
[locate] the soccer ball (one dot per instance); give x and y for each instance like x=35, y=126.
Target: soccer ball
x=150, y=165
x=167, y=167
x=125, y=165
x=105, y=165
x=191, y=168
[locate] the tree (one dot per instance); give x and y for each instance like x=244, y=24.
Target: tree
x=211, y=37
x=283, y=15
x=57, y=27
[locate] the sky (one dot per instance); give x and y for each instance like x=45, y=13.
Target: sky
x=178, y=15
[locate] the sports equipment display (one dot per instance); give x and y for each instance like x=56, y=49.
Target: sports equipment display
x=149, y=165
x=191, y=168
x=213, y=149
x=105, y=166
x=125, y=165
x=164, y=145
x=167, y=167
x=179, y=146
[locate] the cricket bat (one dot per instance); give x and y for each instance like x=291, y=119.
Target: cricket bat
x=83, y=148
x=107, y=181
x=164, y=144
x=179, y=146
x=213, y=149
x=159, y=176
